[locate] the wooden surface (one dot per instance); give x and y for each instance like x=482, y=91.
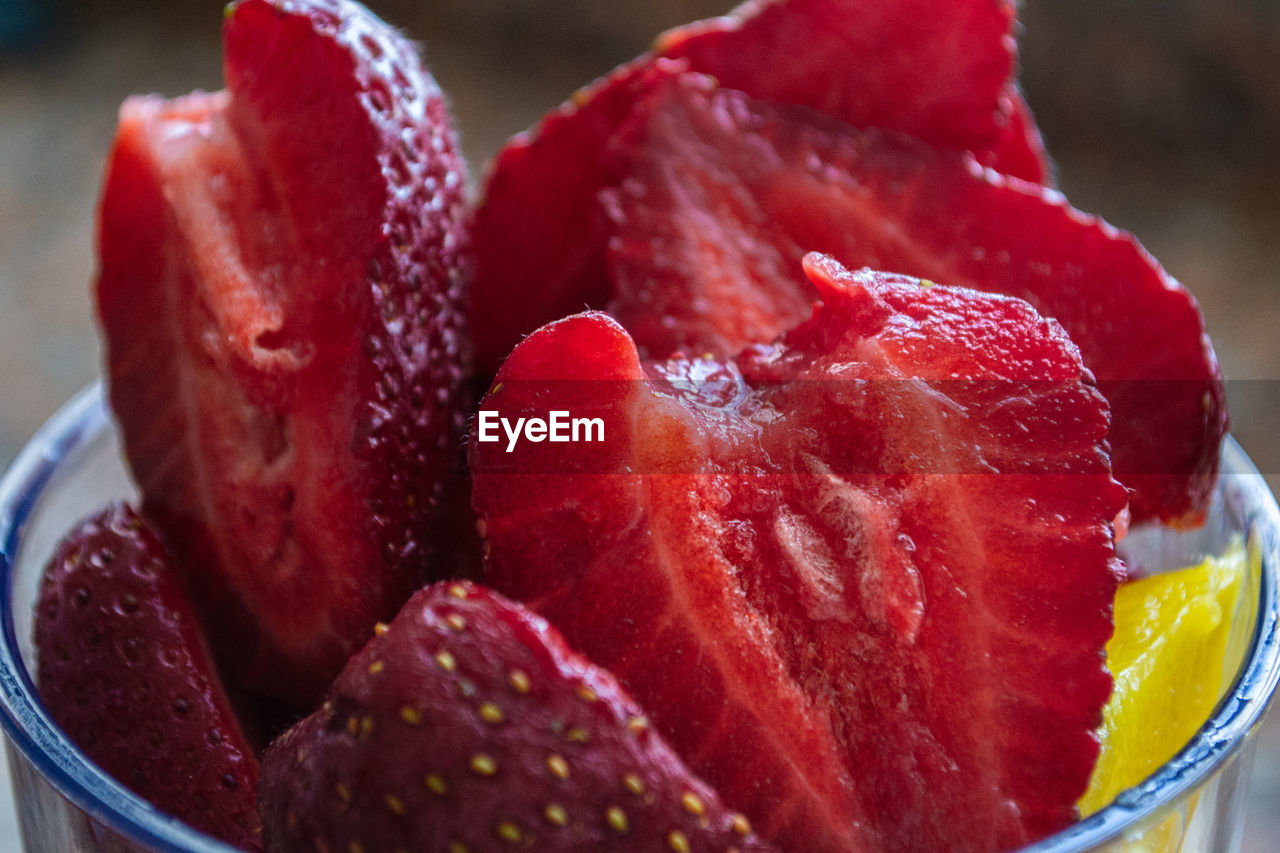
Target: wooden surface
x=1164, y=118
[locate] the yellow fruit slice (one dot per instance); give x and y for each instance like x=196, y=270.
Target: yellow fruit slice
x=1178, y=643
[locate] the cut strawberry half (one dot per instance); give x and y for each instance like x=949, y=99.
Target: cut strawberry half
x=468, y=724
x=939, y=71
x=861, y=578
x=124, y=670
x=725, y=194
x=282, y=269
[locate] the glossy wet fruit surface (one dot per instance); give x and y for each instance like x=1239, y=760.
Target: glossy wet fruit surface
x=945, y=75
x=870, y=402
x=868, y=522
x=282, y=270
x=684, y=208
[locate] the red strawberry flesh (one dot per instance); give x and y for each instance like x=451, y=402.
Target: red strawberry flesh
x=282, y=267
x=468, y=722
x=939, y=71
x=861, y=578
x=1019, y=151
x=542, y=190
x=124, y=671
x=725, y=194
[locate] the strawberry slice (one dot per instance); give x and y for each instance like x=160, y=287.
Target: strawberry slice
x=861, y=578
x=126, y=674
x=725, y=194
x=468, y=724
x=531, y=270
x=282, y=269
x=940, y=71
x=1019, y=151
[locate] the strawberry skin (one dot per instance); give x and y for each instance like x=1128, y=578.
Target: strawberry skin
x=124, y=670
x=467, y=723
x=725, y=194
x=282, y=270
x=860, y=578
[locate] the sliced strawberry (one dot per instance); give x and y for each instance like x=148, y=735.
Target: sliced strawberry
x=538, y=231
x=282, y=270
x=724, y=196
x=939, y=71
x=468, y=724
x=861, y=578
x=124, y=671
x=1019, y=151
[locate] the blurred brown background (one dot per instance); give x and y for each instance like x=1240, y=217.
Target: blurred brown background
x=1163, y=116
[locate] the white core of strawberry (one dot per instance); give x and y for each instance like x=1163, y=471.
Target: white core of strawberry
x=230, y=222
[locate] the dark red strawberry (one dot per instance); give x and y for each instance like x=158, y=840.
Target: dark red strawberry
x=468, y=724
x=860, y=578
x=124, y=671
x=282, y=271
x=941, y=71
x=725, y=194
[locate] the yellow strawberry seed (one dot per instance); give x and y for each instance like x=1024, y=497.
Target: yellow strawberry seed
x=617, y=820
x=558, y=766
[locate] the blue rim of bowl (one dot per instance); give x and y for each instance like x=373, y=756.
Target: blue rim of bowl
x=54, y=757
